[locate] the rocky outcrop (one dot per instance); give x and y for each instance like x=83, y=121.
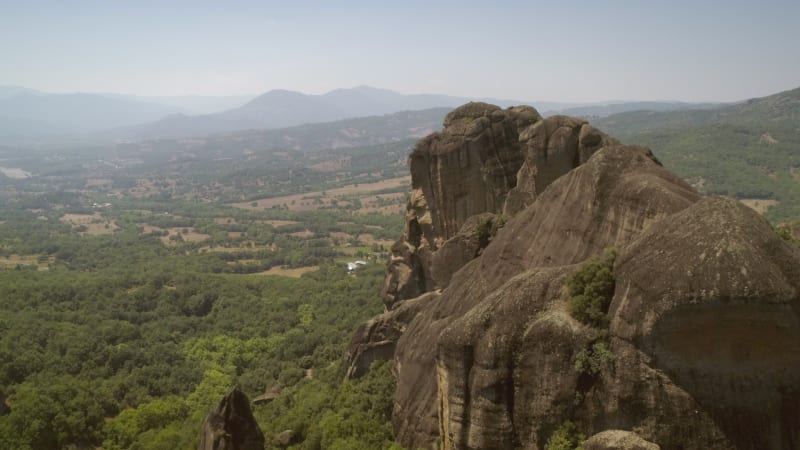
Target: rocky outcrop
x=268, y=396
x=466, y=245
x=376, y=339
x=286, y=438
x=552, y=148
x=485, y=160
x=232, y=426
x=606, y=202
x=700, y=344
x=617, y=440
x=466, y=169
x=721, y=319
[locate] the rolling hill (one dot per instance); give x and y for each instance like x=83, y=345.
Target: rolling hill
x=749, y=150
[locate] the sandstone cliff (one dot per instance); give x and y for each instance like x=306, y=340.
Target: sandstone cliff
x=485, y=161
x=700, y=344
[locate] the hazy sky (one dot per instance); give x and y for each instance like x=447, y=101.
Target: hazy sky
x=527, y=50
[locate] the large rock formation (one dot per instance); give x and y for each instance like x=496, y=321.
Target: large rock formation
x=485, y=160
x=701, y=347
x=232, y=426
x=603, y=203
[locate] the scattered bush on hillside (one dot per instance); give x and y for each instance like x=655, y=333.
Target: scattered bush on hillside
x=591, y=288
x=566, y=437
x=591, y=360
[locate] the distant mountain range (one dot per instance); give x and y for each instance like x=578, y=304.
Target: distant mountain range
x=281, y=108
x=27, y=115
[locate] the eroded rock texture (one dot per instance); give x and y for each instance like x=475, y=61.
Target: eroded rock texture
x=466, y=169
x=617, y=440
x=552, y=148
x=703, y=337
x=232, y=426
x=485, y=160
x=592, y=207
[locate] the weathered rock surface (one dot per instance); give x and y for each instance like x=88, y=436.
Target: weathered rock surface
x=485, y=160
x=617, y=440
x=466, y=245
x=466, y=169
x=376, y=339
x=703, y=341
x=712, y=296
x=232, y=426
x=593, y=207
x=285, y=438
x=552, y=148
x=268, y=396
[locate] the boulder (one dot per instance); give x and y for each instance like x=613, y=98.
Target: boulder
x=286, y=438
x=617, y=440
x=231, y=426
x=268, y=396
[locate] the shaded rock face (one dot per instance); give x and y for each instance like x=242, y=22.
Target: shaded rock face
x=703, y=337
x=592, y=207
x=552, y=148
x=376, y=339
x=720, y=319
x=485, y=160
x=232, y=426
x=464, y=170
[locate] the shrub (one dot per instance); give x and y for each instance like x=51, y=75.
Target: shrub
x=566, y=437
x=591, y=288
x=592, y=360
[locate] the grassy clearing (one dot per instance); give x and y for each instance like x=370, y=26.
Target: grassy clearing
x=312, y=201
x=94, y=224
x=292, y=273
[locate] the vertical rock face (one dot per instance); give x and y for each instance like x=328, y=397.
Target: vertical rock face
x=552, y=148
x=606, y=202
x=485, y=160
x=702, y=347
x=466, y=169
x=232, y=426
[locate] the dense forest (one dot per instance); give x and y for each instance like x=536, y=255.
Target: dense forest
x=131, y=305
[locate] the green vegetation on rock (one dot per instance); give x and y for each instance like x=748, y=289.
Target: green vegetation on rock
x=593, y=359
x=566, y=437
x=591, y=288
